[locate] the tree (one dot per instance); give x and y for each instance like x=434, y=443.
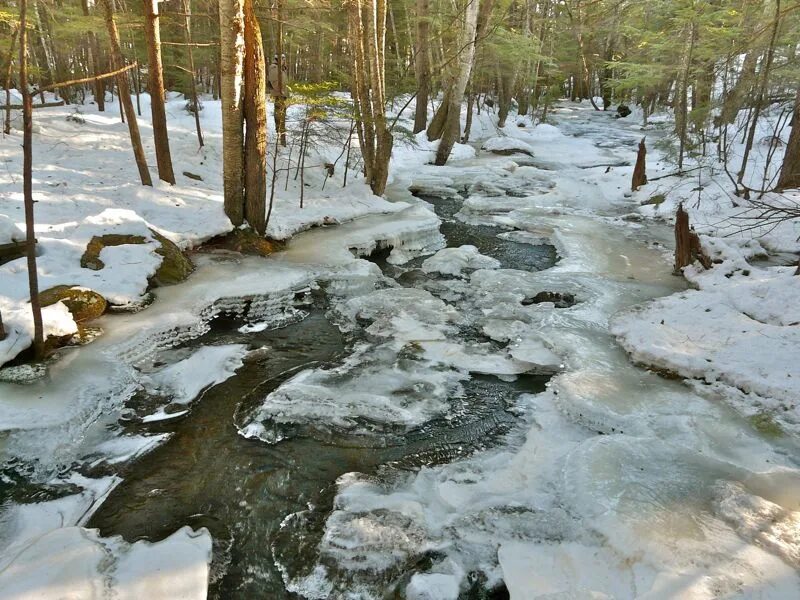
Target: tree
x=156, y=88
x=255, y=115
x=117, y=62
x=790, y=171
x=422, y=66
x=27, y=182
x=446, y=123
x=367, y=34
x=231, y=39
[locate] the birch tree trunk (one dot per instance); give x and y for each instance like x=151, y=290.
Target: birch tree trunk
x=255, y=115
x=152, y=32
x=231, y=21
x=117, y=62
x=450, y=108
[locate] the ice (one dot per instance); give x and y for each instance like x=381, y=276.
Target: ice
x=564, y=570
x=434, y=586
x=453, y=261
x=619, y=483
x=183, y=381
x=75, y=563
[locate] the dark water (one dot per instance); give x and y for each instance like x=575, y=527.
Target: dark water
x=207, y=475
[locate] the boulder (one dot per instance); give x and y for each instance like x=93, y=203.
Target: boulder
x=623, y=110
x=83, y=304
x=245, y=241
x=175, y=266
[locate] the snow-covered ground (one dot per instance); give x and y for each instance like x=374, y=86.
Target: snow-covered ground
x=616, y=482
x=85, y=184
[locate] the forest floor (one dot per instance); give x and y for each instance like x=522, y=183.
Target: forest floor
x=416, y=453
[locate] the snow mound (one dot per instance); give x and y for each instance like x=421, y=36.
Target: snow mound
x=9, y=232
x=507, y=145
x=454, y=261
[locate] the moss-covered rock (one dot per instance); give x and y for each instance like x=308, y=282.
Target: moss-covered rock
x=245, y=241
x=84, y=304
x=91, y=256
x=655, y=200
x=175, y=266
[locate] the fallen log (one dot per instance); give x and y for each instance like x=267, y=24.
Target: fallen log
x=44, y=105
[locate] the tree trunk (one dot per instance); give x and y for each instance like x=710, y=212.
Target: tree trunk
x=27, y=182
x=255, y=115
x=152, y=32
x=7, y=80
x=367, y=31
x=639, y=176
x=459, y=77
x=687, y=244
x=790, y=170
x=187, y=15
x=231, y=19
x=761, y=96
x=117, y=62
x=422, y=66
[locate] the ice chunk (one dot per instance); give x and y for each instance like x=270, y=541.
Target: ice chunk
x=206, y=366
x=453, y=261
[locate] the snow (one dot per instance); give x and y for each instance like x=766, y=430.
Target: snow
x=72, y=562
x=85, y=184
x=185, y=380
x=679, y=498
x=613, y=483
x=10, y=231
x=507, y=144
x=453, y=261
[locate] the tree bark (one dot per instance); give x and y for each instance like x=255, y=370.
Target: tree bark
x=117, y=62
x=639, y=176
x=7, y=120
x=152, y=32
x=27, y=182
x=451, y=106
x=367, y=27
x=231, y=19
x=790, y=170
x=687, y=244
x=255, y=115
x=422, y=66
x=187, y=10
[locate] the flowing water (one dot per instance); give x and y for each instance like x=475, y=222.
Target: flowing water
x=208, y=475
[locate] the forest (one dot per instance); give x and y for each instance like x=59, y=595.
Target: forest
x=425, y=299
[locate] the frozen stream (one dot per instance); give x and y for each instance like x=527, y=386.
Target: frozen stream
x=428, y=423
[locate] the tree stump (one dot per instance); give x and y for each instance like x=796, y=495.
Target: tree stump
x=687, y=244
x=639, y=176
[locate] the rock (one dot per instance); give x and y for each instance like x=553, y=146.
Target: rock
x=654, y=200
x=559, y=299
x=175, y=266
x=623, y=111
x=83, y=304
x=244, y=241
x=91, y=257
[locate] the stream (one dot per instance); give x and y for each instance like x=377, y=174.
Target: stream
x=459, y=445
